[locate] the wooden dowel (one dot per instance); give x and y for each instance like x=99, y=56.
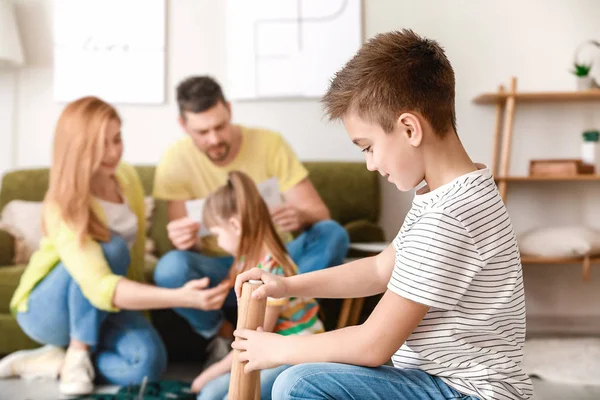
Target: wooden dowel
x=251, y=315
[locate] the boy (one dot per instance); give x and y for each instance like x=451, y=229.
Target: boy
x=452, y=317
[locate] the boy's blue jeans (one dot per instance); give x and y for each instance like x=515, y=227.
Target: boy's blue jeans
x=350, y=382
x=217, y=388
x=324, y=245
x=125, y=346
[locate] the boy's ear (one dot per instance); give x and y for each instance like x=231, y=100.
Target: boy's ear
x=235, y=224
x=410, y=126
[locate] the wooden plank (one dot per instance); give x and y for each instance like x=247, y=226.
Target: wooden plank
x=497, y=132
x=562, y=325
x=561, y=260
x=539, y=97
x=507, y=132
x=591, y=177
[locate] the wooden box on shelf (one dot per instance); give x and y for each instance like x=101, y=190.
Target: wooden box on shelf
x=560, y=167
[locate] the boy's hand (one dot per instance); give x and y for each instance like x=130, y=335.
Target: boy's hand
x=273, y=285
x=183, y=233
x=260, y=350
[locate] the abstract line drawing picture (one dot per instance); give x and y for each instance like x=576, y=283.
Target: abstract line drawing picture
x=288, y=48
x=112, y=49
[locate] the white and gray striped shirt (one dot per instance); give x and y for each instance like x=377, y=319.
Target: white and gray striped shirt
x=457, y=253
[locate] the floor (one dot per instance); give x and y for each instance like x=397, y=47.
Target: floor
x=44, y=390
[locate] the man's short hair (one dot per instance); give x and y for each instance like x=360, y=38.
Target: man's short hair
x=198, y=93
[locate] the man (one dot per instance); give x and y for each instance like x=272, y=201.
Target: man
x=197, y=165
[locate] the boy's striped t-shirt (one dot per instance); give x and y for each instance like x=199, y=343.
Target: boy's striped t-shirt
x=457, y=253
x=298, y=316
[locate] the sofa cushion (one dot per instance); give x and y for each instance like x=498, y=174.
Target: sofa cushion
x=349, y=190
x=23, y=220
x=7, y=248
x=9, y=279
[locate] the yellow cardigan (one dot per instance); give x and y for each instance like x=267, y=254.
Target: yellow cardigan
x=86, y=264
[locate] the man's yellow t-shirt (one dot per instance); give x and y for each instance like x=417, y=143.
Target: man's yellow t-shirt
x=185, y=173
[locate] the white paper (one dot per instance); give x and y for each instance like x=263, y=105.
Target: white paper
x=269, y=191
x=288, y=48
x=194, y=209
x=109, y=49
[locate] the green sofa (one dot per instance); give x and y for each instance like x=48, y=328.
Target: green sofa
x=350, y=191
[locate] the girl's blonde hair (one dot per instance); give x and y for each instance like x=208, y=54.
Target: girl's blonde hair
x=240, y=198
x=79, y=142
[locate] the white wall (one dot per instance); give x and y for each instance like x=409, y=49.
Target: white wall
x=487, y=42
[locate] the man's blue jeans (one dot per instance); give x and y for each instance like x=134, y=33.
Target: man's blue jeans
x=324, y=245
x=125, y=346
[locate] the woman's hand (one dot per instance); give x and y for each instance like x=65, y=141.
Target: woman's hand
x=273, y=285
x=195, y=294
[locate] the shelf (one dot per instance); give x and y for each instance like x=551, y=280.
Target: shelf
x=544, y=326
x=545, y=260
x=590, y=177
x=540, y=97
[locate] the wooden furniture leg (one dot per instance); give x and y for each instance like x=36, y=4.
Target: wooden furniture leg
x=357, y=307
x=507, y=128
x=497, y=133
x=345, y=313
x=251, y=315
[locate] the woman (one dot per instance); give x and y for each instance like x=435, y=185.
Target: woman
x=81, y=287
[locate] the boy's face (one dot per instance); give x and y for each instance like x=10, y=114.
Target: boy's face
x=395, y=155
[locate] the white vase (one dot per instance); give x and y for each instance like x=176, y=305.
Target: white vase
x=585, y=82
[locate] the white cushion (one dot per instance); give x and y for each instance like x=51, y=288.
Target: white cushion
x=566, y=241
x=23, y=220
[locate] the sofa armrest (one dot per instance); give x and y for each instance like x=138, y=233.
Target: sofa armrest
x=7, y=248
x=363, y=231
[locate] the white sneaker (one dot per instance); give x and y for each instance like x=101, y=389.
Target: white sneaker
x=42, y=363
x=77, y=374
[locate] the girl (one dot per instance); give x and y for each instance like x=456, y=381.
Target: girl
x=90, y=265
x=239, y=218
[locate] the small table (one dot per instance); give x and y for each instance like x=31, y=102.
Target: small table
x=351, y=308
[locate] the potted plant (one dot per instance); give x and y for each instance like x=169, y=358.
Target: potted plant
x=582, y=70
x=584, y=80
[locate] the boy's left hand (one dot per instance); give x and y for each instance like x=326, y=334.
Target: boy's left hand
x=260, y=349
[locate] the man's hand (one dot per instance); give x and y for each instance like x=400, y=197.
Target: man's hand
x=259, y=350
x=196, y=295
x=287, y=218
x=183, y=233
x=273, y=285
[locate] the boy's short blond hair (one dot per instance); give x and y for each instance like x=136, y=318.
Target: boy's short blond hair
x=392, y=73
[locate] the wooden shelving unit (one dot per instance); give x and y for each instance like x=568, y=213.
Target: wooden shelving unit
x=505, y=102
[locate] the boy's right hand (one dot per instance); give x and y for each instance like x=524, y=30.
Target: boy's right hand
x=183, y=233
x=273, y=285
